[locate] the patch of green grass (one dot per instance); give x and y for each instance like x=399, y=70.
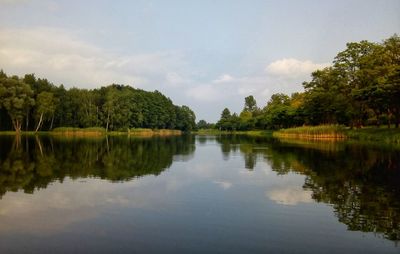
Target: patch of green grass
x=383, y=135
x=219, y=132
x=79, y=132
x=74, y=129
x=151, y=132
x=23, y=133
x=313, y=132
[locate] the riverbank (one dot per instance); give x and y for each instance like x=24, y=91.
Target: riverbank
x=322, y=133
x=335, y=132
x=260, y=133
x=97, y=132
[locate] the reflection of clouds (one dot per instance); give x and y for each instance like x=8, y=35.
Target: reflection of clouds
x=290, y=195
x=224, y=184
x=60, y=205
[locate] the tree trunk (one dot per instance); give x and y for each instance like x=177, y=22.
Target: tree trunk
x=97, y=116
x=39, y=123
x=52, y=121
x=377, y=114
x=396, y=118
x=108, y=120
x=17, y=126
x=27, y=120
x=389, y=114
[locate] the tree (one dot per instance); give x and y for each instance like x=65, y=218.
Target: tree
x=275, y=113
x=349, y=65
x=224, y=122
x=392, y=85
x=186, y=119
x=250, y=104
x=16, y=98
x=45, y=107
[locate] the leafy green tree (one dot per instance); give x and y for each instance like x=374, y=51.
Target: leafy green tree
x=45, y=107
x=225, y=121
x=250, y=104
x=16, y=98
x=392, y=84
x=186, y=119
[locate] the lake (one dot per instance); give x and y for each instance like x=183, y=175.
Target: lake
x=197, y=194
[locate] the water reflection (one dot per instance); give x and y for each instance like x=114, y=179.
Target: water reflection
x=228, y=194
x=31, y=163
x=362, y=183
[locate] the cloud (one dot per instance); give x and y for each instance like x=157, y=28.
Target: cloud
x=224, y=184
x=223, y=79
x=63, y=57
x=291, y=67
x=175, y=80
x=289, y=195
x=204, y=92
x=7, y=2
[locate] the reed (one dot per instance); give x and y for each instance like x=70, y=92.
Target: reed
x=79, y=132
x=320, y=132
x=142, y=132
x=382, y=135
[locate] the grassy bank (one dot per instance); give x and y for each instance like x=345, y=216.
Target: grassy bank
x=78, y=132
x=335, y=132
x=150, y=132
x=328, y=132
x=96, y=132
x=383, y=135
x=218, y=132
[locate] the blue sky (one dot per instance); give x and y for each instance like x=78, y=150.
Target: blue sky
x=204, y=54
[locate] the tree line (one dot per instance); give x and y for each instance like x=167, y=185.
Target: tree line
x=361, y=87
x=33, y=104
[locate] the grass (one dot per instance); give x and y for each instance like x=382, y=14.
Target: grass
x=219, y=132
x=332, y=132
x=97, y=132
x=383, y=135
x=26, y=133
x=150, y=132
x=79, y=132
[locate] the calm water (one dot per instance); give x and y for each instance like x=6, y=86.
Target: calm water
x=230, y=194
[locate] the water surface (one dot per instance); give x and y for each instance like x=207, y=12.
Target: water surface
x=224, y=194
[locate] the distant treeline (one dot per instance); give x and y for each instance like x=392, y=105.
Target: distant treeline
x=361, y=87
x=31, y=103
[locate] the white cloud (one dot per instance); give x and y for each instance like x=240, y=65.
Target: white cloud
x=62, y=57
x=224, y=184
x=174, y=79
x=205, y=93
x=224, y=78
x=291, y=67
x=12, y=1
x=289, y=195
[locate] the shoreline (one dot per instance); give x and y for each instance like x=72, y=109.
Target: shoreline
x=95, y=132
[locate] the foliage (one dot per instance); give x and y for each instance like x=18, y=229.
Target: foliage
x=313, y=132
x=43, y=105
x=16, y=99
x=361, y=87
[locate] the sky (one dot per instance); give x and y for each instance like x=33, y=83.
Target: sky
x=205, y=54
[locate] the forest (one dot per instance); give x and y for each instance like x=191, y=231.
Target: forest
x=35, y=104
x=360, y=88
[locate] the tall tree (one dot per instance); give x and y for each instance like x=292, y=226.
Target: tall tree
x=45, y=107
x=250, y=104
x=16, y=98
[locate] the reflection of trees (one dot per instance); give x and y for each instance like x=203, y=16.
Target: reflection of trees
x=40, y=161
x=362, y=183
x=244, y=144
